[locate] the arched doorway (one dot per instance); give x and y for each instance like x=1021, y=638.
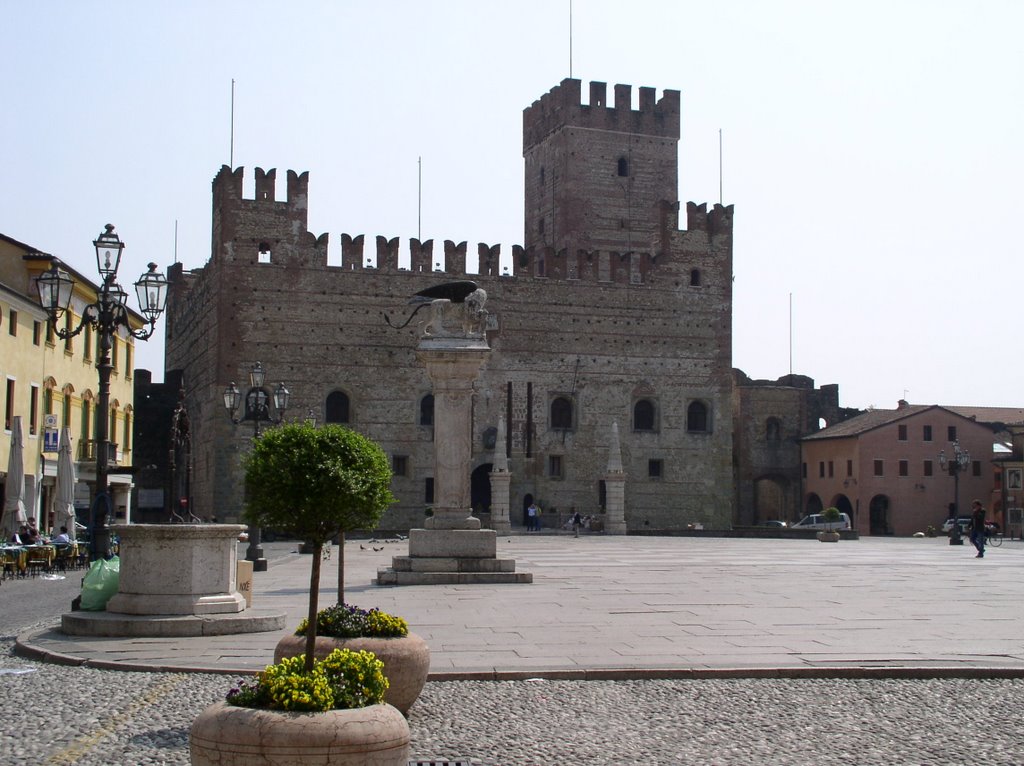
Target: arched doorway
x=813, y=504
x=842, y=502
x=527, y=501
x=879, y=510
x=770, y=499
x=480, y=488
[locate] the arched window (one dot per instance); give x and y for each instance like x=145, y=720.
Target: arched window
x=697, y=418
x=337, y=410
x=623, y=166
x=772, y=430
x=643, y=415
x=561, y=413
x=264, y=253
x=427, y=410
x=694, y=277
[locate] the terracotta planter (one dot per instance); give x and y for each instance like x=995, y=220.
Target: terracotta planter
x=406, y=661
x=225, y=735
x=828, y=537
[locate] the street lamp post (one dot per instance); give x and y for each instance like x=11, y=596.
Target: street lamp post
x=961, y=459
x=257, y=409
x=106, y=315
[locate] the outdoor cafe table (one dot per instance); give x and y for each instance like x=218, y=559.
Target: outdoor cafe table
x=14, y=559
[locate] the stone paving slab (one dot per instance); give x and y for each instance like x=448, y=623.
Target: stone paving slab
x=650, y=606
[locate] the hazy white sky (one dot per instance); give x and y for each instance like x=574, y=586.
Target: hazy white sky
x=873, y=150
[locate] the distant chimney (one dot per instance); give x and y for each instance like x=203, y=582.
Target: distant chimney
x=902, y=404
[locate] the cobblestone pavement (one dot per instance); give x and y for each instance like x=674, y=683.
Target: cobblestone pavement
x=56, y=714
x=70, y=715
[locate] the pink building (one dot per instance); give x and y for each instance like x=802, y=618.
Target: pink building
x=884, y=469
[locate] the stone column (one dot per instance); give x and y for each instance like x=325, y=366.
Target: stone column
x=501, y=479
x=452, y=373
x=615, y=488
x=452, y=548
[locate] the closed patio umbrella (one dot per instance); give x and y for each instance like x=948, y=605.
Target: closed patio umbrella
x=64, y=504
x=14, y=484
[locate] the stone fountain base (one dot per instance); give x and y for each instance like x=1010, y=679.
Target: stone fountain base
x=175, y=580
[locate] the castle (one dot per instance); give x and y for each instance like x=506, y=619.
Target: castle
x=611, y=314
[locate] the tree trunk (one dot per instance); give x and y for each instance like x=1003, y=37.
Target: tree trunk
x=341, y=567
x=314, y=593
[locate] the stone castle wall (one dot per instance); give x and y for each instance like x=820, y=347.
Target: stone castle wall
x=603, y=328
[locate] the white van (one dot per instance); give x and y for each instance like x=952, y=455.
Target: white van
x=817, y=521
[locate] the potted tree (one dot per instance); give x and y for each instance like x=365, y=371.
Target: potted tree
x=831, y=516
x=311, y=483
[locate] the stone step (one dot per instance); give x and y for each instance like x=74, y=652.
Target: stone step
x=451, y=564
x=392, y=577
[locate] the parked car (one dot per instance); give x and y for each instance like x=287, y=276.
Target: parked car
x=817, y=521
x=774, y=523
x=965, y=526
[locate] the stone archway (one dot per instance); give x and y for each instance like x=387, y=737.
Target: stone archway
x=813, y=504
x=842, y=502
x=879, y=516
x=480, y=488
x=770, y=499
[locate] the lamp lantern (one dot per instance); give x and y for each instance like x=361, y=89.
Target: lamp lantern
x=55, y=288
x=108, y=252
x=232, y=398
x=151, y=290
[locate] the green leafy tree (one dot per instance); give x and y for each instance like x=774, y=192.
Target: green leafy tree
x=831, y=515
x=316, y=483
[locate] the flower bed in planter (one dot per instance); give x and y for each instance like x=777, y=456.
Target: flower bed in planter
x=405, y=655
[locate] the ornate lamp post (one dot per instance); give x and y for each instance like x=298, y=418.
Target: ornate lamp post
x=961, y=459
x=105, y=316
x=257, y=409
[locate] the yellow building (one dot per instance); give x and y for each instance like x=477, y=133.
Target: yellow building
x=52, y=383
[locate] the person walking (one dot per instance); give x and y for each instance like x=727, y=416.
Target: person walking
x=577, y=522
x=978, y=527
x=531, y=518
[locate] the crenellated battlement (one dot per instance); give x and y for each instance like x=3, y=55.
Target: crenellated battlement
x=562, y=106
x=227, y=184
x=264, y=231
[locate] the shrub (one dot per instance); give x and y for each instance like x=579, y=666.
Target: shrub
x=341, y=681
x=347, y=621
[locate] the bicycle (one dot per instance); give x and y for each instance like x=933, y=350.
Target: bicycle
x=994, y=538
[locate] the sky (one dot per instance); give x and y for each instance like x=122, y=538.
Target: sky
x=873, y=150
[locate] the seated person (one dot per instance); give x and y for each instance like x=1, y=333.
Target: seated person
x=18, y=537
x=31, y=535
x=62, y=538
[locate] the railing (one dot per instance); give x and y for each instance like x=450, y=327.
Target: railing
x=87, y=451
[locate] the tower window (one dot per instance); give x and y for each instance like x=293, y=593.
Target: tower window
x=427, y=410
x=694, y=277
x=337, y=409
x=561, y=413
x=623, y=166
x=264, y=254
x=540, y=226
x=654, y=469
x=643, y=415
x=541, y=175
x=697, y=418
x=555, y=466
